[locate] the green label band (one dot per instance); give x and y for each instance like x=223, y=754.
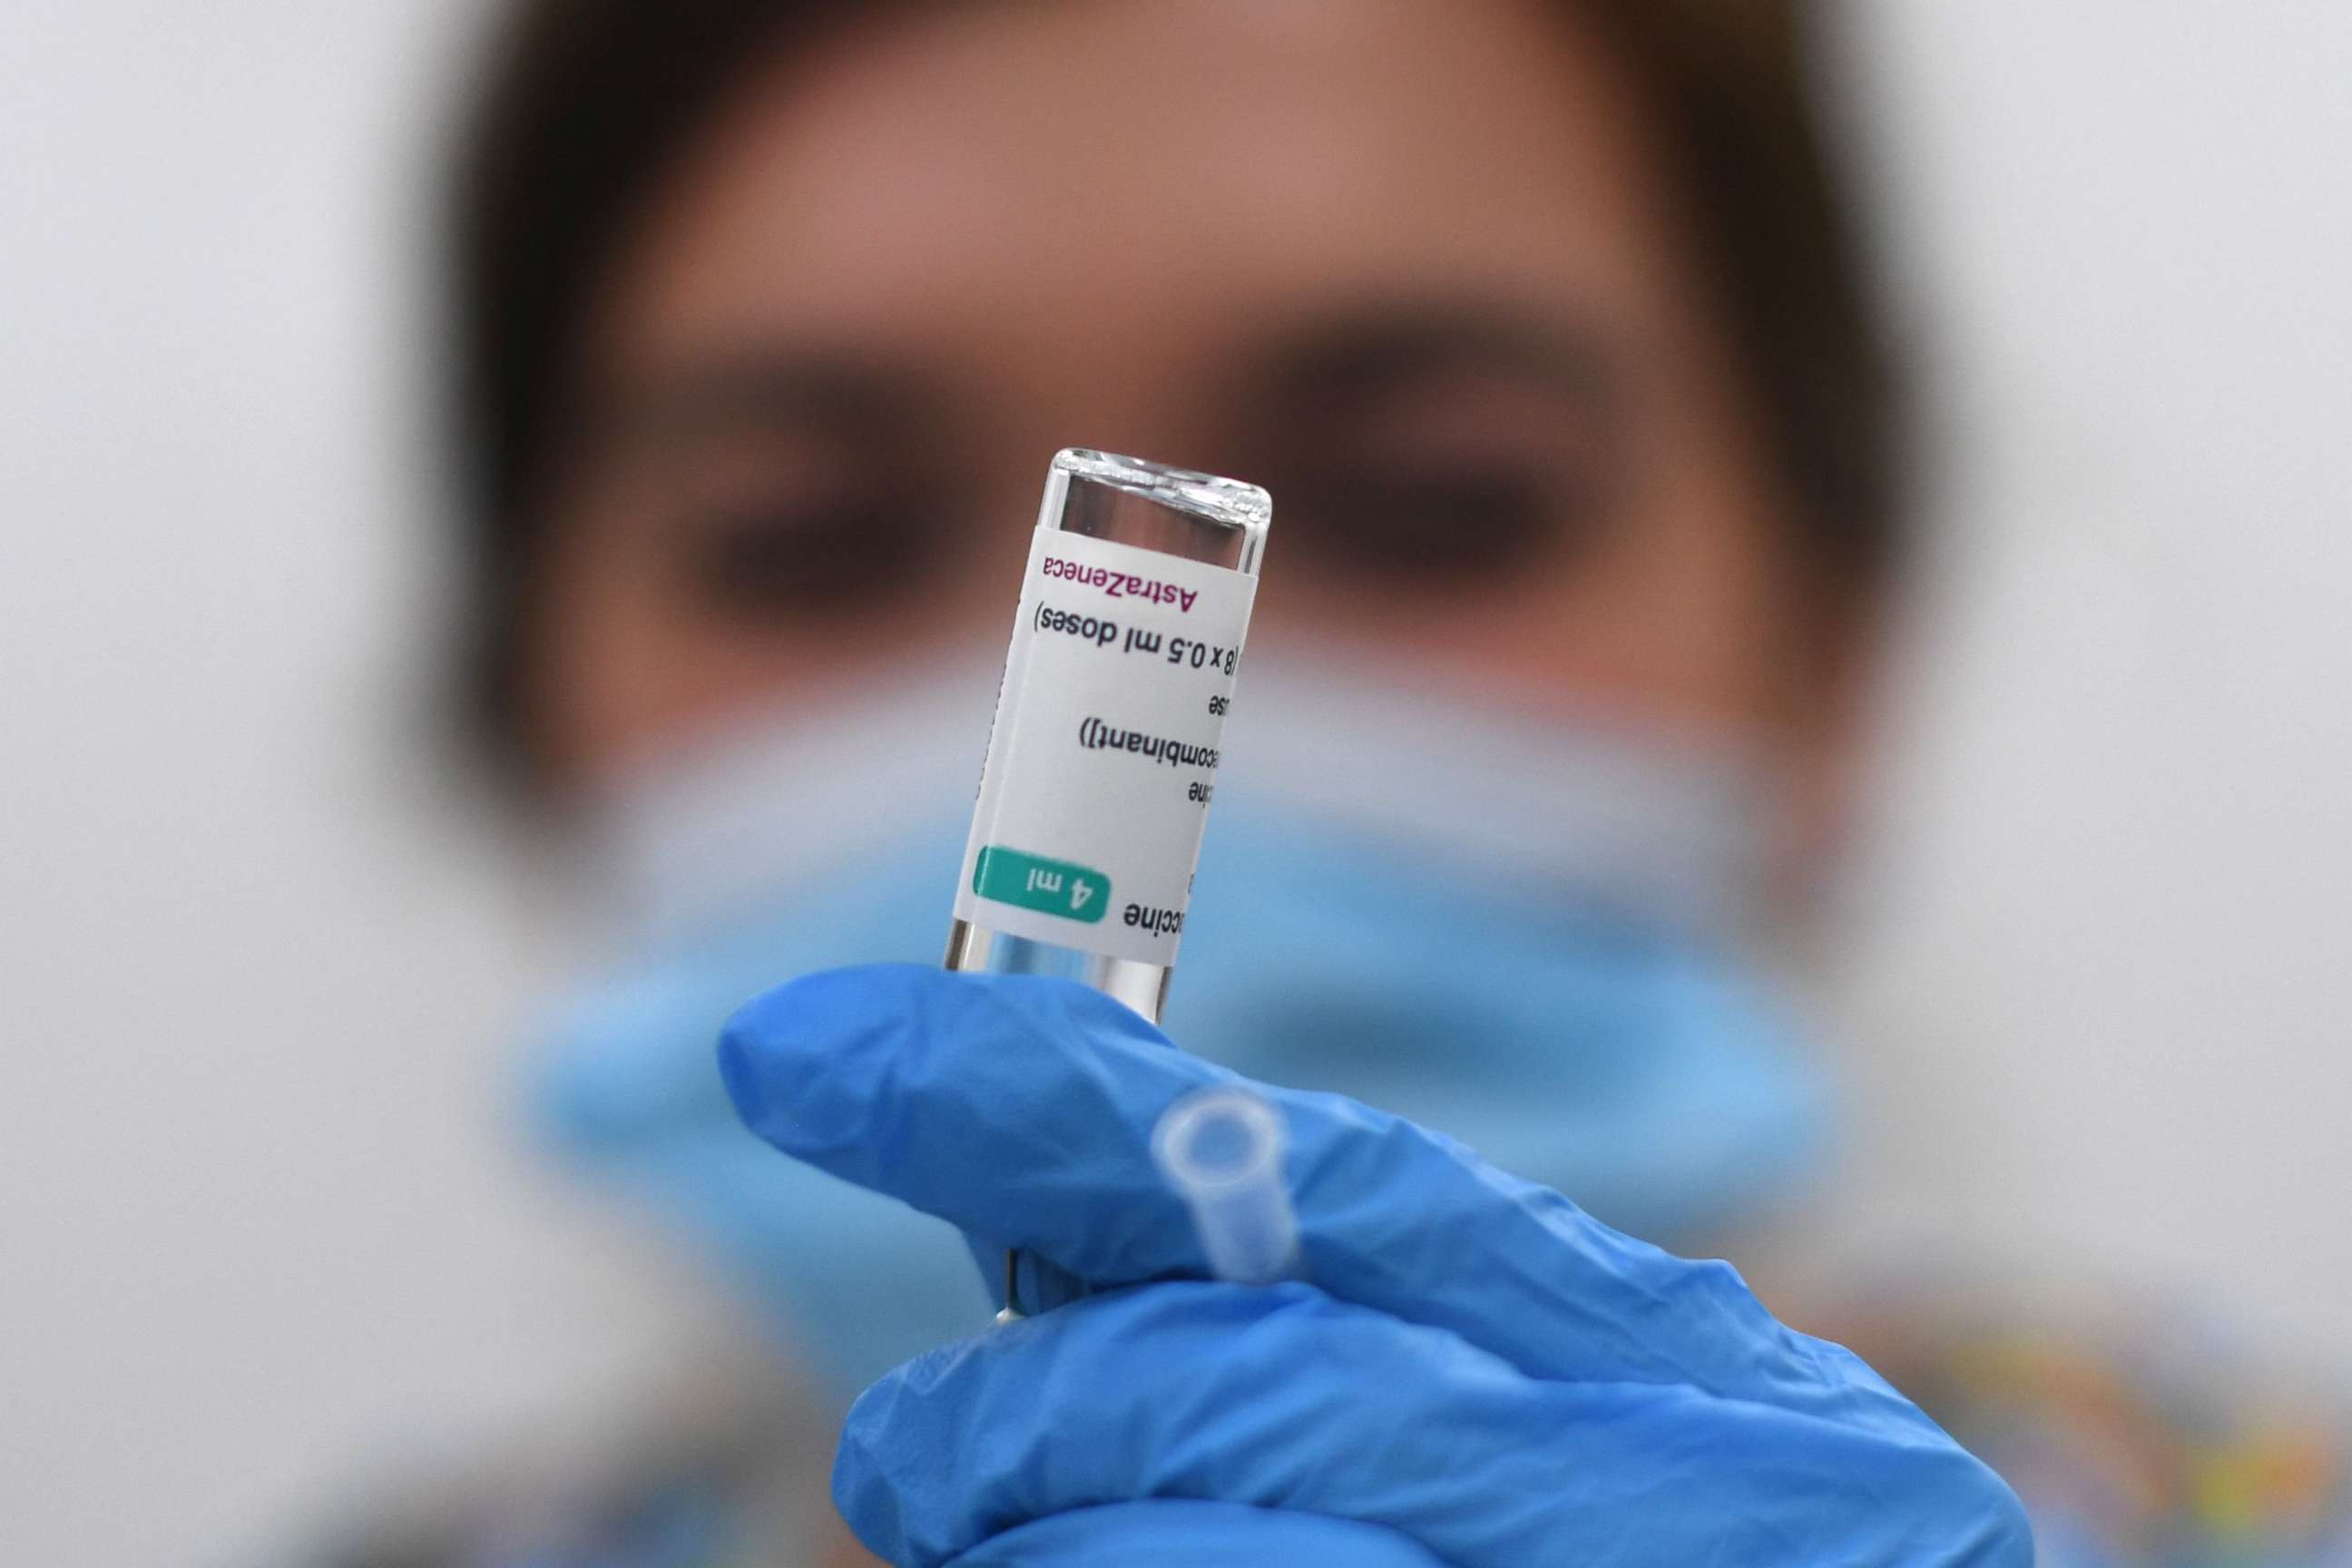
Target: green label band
x=1033, y=882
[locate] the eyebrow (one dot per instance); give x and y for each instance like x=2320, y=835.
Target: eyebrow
x=1361, y=353
x=1373, y=350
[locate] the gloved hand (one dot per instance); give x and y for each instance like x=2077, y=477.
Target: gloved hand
x=1478, y=1375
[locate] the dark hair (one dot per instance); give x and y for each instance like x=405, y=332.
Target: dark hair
x=589, y=102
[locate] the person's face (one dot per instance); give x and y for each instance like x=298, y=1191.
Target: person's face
x=1408, y=265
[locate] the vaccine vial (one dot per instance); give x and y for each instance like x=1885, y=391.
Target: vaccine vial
x=1103, y=758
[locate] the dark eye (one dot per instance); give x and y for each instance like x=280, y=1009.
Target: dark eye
x=843, y=557
x=1456, y=524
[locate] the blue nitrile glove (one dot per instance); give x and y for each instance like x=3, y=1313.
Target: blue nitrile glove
x=1479, y=1375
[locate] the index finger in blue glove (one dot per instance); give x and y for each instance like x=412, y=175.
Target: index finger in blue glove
x=1021, y=1109
x=1282, y=1398
x=1186, y=1533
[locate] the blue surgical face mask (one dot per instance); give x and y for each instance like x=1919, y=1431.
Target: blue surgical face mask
x=1523, y=934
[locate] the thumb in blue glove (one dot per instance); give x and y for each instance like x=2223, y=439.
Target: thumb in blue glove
x=1480, y=1375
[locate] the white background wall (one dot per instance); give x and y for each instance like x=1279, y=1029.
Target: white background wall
x=2116, y=915
x=259, y=1221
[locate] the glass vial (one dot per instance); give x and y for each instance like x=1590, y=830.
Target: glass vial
x=1103, y=756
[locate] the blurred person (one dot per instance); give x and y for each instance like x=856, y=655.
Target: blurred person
x=1544, y=324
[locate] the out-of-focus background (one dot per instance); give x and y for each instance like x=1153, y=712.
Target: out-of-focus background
x=264, y=1227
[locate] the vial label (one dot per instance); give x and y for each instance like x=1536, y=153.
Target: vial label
x=1103, y=758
